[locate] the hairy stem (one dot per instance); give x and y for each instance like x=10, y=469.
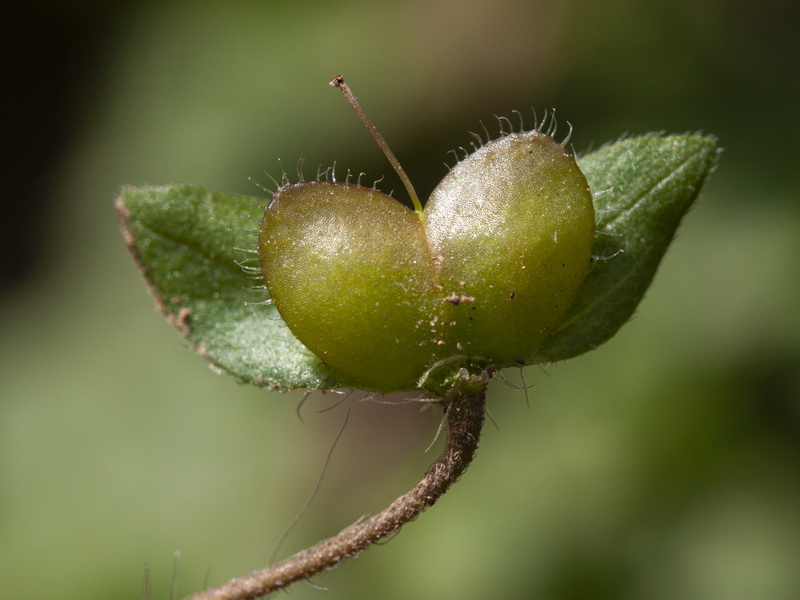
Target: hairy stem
x=465, y=416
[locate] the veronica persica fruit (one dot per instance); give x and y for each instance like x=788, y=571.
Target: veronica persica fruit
x=382, y=293
x=367, y=293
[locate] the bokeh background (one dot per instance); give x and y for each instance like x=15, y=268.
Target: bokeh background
x=664, y=465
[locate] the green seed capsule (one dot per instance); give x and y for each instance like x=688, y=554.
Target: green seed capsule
x=351, y=273
x=381, y=293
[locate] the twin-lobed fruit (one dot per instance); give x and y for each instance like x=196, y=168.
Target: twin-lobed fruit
x=382, y=293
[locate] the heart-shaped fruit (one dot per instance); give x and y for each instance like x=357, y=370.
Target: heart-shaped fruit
x=486, y=271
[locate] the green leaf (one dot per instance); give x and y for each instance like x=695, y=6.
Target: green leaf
x=192, y=248
x=642, y=188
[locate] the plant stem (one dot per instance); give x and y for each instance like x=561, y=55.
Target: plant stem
x=465, y=417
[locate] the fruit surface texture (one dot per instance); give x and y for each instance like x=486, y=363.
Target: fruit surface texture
x=486, y=271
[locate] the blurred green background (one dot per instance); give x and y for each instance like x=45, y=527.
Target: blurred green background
x=664, y=465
